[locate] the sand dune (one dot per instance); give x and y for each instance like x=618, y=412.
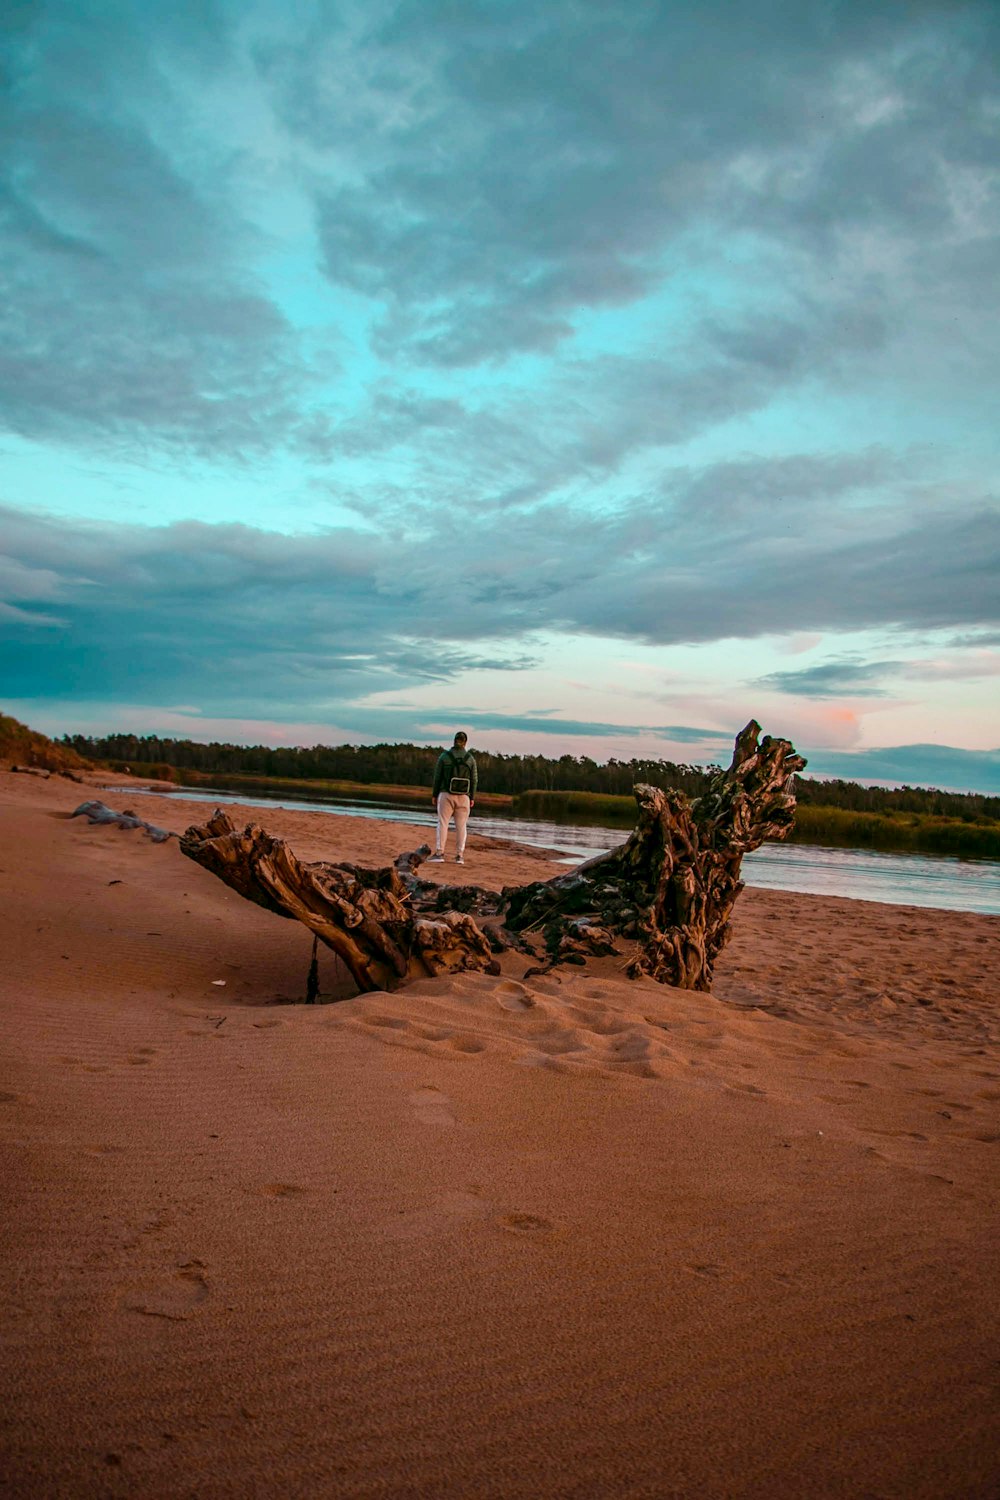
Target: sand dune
x=550, y=1236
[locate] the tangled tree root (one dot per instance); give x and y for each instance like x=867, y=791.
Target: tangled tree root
x=667, y=892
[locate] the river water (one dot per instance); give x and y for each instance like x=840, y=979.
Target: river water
x=859, y=874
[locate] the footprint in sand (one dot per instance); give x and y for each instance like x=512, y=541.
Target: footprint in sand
x=431, y=1106
x=443, y=1215
x=597, y=1020
x=161, y=1220
x=530, y=1224
x=179, y=1297
x=433, y=1033
x=470, y=1045
x=560, y=1042
x=513, y=996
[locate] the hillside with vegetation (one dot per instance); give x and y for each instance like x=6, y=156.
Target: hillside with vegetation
x=21, y=746
x=568, y=789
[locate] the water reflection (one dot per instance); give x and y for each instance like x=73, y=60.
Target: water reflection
x=872, y=875
x=861, y=874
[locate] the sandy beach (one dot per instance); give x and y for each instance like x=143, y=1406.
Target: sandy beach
x=558, y=1236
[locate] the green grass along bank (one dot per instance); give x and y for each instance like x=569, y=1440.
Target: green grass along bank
x=897, y=832
x=355, y=791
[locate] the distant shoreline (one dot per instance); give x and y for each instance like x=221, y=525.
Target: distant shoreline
x=831, y=827
x=928, y=882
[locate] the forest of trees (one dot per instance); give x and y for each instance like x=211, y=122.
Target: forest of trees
x=413, y=765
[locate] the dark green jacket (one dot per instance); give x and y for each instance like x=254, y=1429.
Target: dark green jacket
x=455, y=763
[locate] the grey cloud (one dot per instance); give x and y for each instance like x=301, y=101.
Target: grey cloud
x=26, y=583
x=550, y=721
x=914, y=765
x=121, y=193
x=118, y=46
x=805, y=491
x=931, y=573
x=535, y=161
x=596, y=412
x=484, y=174
x=236, y=615
x=432, y=661
x=684, y=734
x=980, y=640
x=539, y=721
x=248, y=624
x=193, y=370
x=128, y=316
x=696, y=564
x=225, y=616
x=850, y=677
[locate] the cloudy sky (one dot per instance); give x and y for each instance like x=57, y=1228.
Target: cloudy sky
x=592, y=375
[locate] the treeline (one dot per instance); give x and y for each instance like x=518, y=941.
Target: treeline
x=396, y=765
x=970, y=807
x=510, y=775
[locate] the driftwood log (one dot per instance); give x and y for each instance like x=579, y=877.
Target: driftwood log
x=667, y=893
x=374, y=920
x=97, y=812
x=671, y=887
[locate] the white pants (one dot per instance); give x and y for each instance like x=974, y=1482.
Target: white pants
x=452, y=806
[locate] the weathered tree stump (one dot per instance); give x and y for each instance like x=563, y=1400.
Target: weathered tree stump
x=669, y=889
x=366, y=916
x=674, y=882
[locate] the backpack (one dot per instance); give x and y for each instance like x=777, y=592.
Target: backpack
x=461, y=779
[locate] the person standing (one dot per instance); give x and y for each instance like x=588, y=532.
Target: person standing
x=455, y=781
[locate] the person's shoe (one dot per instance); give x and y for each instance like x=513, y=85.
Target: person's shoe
x=435, y=859
x=460, y=859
